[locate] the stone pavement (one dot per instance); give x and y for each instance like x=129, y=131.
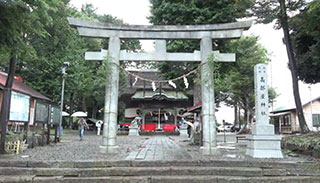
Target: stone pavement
x=159, y=148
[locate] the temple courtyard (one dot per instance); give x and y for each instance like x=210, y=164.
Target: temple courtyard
x=139, y=148
x=157, y=158
x=147, y=148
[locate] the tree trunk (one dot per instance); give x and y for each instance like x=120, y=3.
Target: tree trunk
x=248, y=121
x=94, y=109
x=83, y=104
x=71, y=103
x=244, y=128
x=292, y=65
x=5, y=107
x=239, y=115
x=236, y=117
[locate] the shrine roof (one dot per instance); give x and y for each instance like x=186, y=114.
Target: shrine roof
x=157, y=95
x=19, y=86
x=283, y=109
x=195, y=107
x=148, y=74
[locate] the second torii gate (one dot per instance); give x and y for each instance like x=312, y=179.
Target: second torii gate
x=161, y=33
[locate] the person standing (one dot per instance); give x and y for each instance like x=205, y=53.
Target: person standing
x=98, y=125
x=189, y=129
x=166, y=118
x=82, y=124
x=196, y=125
x=181, y=122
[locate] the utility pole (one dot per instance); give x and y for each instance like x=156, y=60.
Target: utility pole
x=64, y=75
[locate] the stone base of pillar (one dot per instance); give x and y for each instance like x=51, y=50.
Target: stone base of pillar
x=264, y=146
x=109, y=149
x=263, y=129
x=133, y=131
x=209, y=151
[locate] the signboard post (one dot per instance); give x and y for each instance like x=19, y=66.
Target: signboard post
x=42, y=116
x=55, y=113
x=48, y=125
x=41, y=112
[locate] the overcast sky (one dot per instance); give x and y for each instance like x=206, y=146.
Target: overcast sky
x=135, y=12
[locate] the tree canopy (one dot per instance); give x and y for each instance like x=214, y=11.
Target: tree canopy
x=191, y=12
x=20, y=19
x=41, y=36
x=305, y=33
x=237, y=84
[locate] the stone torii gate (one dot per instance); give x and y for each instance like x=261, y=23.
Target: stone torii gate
x=161, y=33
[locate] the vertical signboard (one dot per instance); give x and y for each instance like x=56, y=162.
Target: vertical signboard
x=19, y=107
x=55, y=113
x=41, y=112
x=261, y=94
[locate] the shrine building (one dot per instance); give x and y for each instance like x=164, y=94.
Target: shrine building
x=159, y=109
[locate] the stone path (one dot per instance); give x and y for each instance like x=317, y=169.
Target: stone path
x=159, y=148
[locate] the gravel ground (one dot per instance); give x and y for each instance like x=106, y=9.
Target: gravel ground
x=72, y=149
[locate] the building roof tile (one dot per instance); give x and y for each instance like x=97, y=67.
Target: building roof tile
x=19, y=86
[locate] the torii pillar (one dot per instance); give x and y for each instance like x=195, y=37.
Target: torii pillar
x=111, y=99
x=207, y=100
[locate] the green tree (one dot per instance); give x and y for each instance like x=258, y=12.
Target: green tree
x=63, y=44
x=90, y=11
x=239, y=81
x=193, y=12
x=19, y=20
x=305, y=33
x=270, y=10
x=96, y=97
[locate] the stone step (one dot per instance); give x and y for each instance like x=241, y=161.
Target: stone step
x=132, y=171
x=147, y=171
x=159, y=179
x=126, y=163
x=16, y=179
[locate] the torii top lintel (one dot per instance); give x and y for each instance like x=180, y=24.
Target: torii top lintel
x=88, y=28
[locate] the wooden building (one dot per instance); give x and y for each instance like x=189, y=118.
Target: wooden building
x=159, y=109
x=286, y=120
x=23, y=100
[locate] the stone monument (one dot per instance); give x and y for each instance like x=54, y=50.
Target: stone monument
x=263, y=143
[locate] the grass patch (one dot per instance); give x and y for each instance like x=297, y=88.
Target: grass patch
x=286, y=151
x=69, y=131
x=309, y=141
x=65, y=131
x=10, y=137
